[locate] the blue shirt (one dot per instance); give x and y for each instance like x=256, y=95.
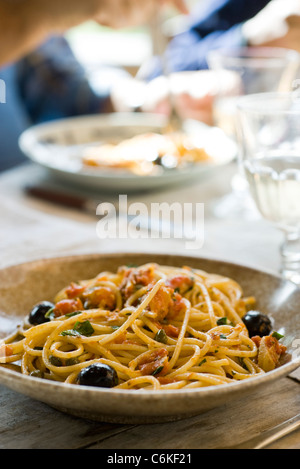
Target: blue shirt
x=13, y=121
x=214, y=24
x=48, y=84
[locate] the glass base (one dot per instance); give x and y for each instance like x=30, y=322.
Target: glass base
x=291, y=276
x=234, y=206
x=290, y=255
x=238, y=204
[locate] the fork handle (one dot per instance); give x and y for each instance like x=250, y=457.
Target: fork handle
x=272, y=435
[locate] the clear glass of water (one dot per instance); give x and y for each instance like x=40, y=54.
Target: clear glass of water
x=249, y=70
x=269, y=138
x=241, y=72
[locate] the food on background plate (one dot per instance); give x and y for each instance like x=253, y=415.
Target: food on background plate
x=148, y=327
x=146, y=154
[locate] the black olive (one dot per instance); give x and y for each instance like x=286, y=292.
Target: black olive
x=100, y=375
x=37, y=315
x=257, y=324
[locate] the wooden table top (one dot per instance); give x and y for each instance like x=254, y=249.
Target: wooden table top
x=32, y=229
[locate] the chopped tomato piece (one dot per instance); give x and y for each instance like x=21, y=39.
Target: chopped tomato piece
x=154, y=362
x=162, y=302
x=100, y=297
x=164, y=380
x=67, y=307
x=144, y=277
x=136, y=278
x=256, y=339
x=74, y=291
x=171, y=331
x=166, y=303
x=178, y=305
x=180, y=283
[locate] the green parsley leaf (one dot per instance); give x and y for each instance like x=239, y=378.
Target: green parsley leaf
x=75, y=313
x=157, y=371
x=70, y=332
x=80, y=328
x=277, y=335
x=222, y=321
x=50, y=314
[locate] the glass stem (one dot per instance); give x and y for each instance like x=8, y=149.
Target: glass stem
x=290, y=256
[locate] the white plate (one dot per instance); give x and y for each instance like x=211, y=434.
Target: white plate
x=41, y=280
x=58, y=147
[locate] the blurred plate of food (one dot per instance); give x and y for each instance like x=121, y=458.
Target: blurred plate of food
x=126, y=151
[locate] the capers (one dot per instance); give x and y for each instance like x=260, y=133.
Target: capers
x=55, y=361
x=37, y=374
x=161, y=336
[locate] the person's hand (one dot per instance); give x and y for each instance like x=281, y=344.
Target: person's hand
x=124, y=13
x=277, y=25
x=113, y=13
x=26, y=23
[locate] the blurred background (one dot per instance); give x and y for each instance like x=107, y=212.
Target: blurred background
x=128, y=48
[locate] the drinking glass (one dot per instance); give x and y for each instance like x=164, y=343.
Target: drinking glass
x=241, y=72
x=269, y=139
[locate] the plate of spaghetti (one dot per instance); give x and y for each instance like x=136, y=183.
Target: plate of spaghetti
x=143, y=338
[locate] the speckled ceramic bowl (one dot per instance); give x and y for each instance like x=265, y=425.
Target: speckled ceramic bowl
x=24, y=285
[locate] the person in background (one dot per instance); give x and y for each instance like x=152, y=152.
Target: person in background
x=215, y=24
x=43, y=80
x=45, y=85
x=225, y=24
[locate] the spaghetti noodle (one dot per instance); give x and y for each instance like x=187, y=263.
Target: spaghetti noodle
x=157, y=327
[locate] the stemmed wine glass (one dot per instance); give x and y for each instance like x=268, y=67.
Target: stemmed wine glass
x=240, y=72
x=269, y=139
